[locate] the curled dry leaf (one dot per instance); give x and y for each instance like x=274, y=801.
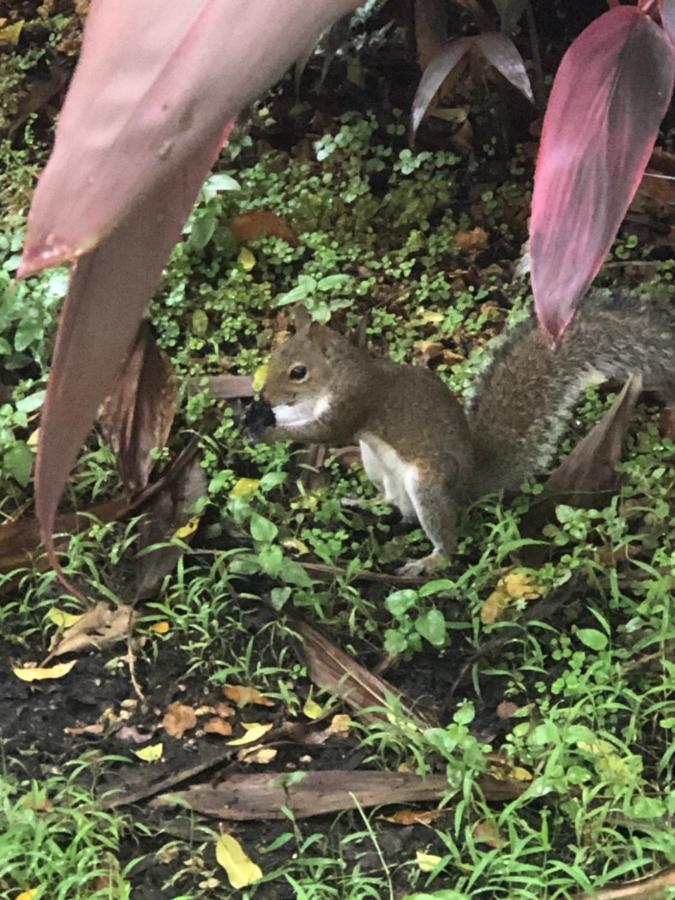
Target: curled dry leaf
x=486, y=832
x=178, y=719
x=217, y=726
x=137, y=415
x=262, y=223
x=39, y=673
x=242, y=695
x=98, y=628
x=413, y=816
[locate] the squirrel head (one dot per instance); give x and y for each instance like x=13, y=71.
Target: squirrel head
x=311, y=364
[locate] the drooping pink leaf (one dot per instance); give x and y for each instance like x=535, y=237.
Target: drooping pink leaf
x=500, y=51
x=142, y=123
x=155, y=84
x=667, y=10
x=107, y=297
x=434, y=75
x=610, y=94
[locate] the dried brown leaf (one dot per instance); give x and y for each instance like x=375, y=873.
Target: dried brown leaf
x=242, y=695
x=333, y=670
x=137, y=415
x=413, y=816
x=98, y=628
x=262, y=223
x=178, y=719
x=217, y=726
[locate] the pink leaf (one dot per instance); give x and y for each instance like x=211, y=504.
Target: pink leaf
x=155, y=84
x=108, y=295
x=609, y=96
x=436, y=72
x=500, y=51
x=667, y=10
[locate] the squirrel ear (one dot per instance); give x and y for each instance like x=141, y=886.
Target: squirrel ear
x=301, y=319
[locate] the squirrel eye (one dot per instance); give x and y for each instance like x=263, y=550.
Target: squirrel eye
x=298, y=373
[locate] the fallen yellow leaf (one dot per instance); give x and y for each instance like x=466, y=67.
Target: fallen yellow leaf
x=254, y=731
x=259, y=755
x=427, y=862
x=245, y=487
x=511, y=587
x=10, y=34
x=241, y=870
x=38, y=674
x=161, y=627
x=28, y=895
x=312, y=709
x=295, y=544
x=246, y=259
x=340, y=724
x=151, y=753
x=260, y=377
x=185, y=531
x=63, y=619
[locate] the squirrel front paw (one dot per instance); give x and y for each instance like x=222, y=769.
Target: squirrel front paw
x=415, y=568
x=259, y=417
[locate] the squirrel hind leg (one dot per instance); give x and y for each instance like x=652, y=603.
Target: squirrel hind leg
x=436, y=510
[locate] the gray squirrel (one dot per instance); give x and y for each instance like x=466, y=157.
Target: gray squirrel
x=419, y=446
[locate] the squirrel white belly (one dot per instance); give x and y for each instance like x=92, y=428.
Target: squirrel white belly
x=418, y=445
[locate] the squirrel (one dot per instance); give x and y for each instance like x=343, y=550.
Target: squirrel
x=419, y=446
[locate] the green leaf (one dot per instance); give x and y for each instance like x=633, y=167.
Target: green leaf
x=400, y=602
x=465, y=713
x=29, y=331
x=202, y=230
x=18, y=462
x=32, y=402
x=293, y=573
x=271, y=559
x=220, y=182
x=200, y=323
x=437, y=586
x=5, y=346
x=647, y=808
x=592, y=638
x=394, y=641
x=432, y=626
x=262, y=529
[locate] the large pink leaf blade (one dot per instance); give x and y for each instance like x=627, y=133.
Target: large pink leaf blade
x=610, y=94
x=107, y=297
x=156, y=82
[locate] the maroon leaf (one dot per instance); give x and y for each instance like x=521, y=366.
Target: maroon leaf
x=500, y=51
x=445, y=62
x=106, y=301
x=168, y=511
x=140, y=128
x=609, y=96
x=138, y=414
x=155, y=84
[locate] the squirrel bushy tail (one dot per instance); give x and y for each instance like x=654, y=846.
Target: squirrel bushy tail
x=523, y=399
